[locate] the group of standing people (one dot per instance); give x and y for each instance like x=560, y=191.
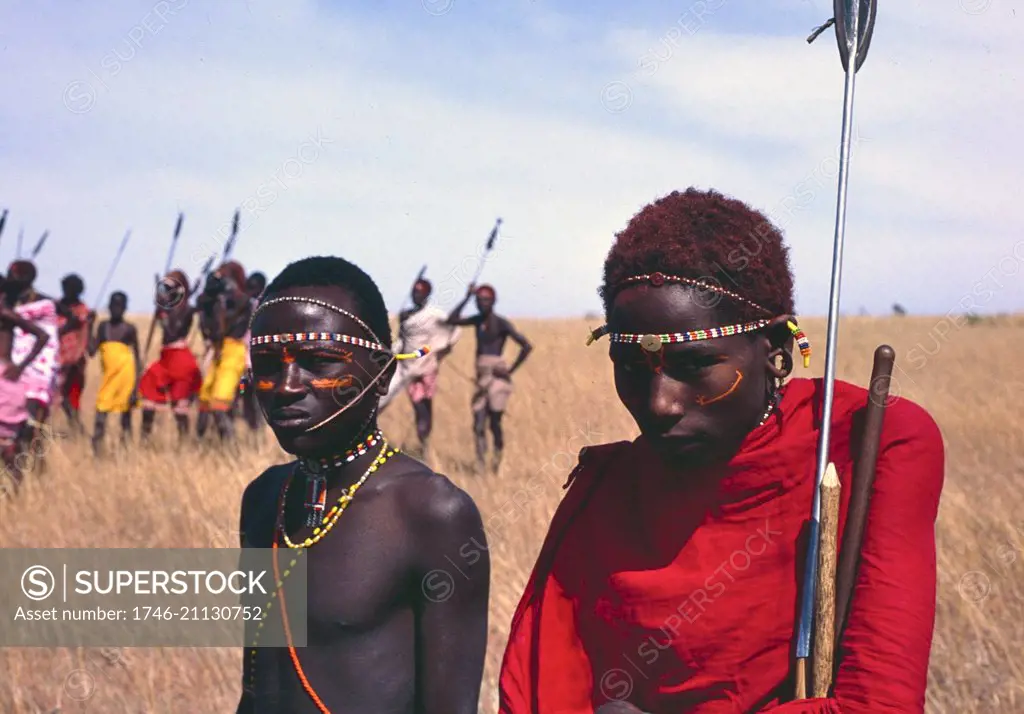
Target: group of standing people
x=426, y=325
x=46, y=343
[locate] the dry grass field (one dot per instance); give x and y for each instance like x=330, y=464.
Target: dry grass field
x=965, y=374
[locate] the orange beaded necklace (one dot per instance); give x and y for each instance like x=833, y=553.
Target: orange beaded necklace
x=279, y=533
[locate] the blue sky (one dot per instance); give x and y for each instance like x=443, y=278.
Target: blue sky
x=395, y=133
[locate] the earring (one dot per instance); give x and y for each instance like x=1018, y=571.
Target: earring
x=787, y=364
x=802, y=342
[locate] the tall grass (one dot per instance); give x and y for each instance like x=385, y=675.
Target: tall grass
x=966, y=376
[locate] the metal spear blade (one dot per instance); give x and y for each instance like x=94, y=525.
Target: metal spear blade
x=174, y=244
x=492, y=239
x=39, y=245
x=855, y=23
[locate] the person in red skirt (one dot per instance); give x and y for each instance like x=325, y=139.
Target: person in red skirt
x=73, y=328
x=174, y=379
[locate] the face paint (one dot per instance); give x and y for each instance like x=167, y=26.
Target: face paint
x=333, y=353
x=704, y=401
x=332, y=382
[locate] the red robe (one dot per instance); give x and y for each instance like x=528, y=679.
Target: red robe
x=680, y=595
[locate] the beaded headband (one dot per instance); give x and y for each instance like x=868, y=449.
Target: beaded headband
x=375, y=344
x=657, y=279
x=654, y=343
x=288, y=337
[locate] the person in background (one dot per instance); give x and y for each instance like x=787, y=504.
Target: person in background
x=421, y=325
x=117, y=342
x=493, y=375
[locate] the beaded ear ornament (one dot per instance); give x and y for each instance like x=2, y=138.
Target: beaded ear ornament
x=374, y=344
x=652, y=344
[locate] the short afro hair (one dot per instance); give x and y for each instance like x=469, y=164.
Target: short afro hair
x=337, y=272
x=706, y=235
x=259, y=278
x=73, y=284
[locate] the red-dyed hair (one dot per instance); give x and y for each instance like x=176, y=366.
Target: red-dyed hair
x=180, y=278
x=427, y=285
x=234, y=270
x=487, y=289
x=705, y=235
x=22, y=271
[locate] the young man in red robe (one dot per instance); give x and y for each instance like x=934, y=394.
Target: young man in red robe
x=669, y=578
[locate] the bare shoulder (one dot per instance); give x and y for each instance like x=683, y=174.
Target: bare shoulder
x=431, y=505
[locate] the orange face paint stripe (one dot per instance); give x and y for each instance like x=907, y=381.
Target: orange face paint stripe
x=332, y=383
x=264, y=385
x=704, y=401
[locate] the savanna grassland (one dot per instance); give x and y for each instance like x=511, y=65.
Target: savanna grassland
x=964, y=373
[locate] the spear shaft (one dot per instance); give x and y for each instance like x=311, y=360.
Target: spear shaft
x=113, y=266
x=853, y=49
x=39, y=245
x=174, y=244
x=487, y=250
x=167, y=270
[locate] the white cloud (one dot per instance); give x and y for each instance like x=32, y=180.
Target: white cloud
x=424, y=147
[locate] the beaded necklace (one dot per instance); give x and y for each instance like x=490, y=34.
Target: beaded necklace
x=316, y=475
x=328, y=522
x=279, y=577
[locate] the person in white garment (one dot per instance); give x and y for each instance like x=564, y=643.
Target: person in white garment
x=421, y=325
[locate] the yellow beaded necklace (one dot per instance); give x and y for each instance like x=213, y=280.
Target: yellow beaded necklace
x=386, y=452
x=383, y=455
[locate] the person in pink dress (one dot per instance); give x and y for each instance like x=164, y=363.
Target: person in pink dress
x=13, y=407
x=39, y=375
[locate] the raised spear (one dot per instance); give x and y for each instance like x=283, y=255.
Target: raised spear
x=207, y=267
x=174, y=244
x=39, y=245
x=113, y=266
x=854, y=22
x=229, y=247
x=3, y=221
x=491, y=240
x=167, y=270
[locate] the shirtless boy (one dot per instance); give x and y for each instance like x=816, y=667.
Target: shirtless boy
x=380, y=641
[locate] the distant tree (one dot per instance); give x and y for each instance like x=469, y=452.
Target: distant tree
x=899, y=310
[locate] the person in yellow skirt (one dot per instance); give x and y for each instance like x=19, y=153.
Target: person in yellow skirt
x=117, y=342
x=226, y=307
